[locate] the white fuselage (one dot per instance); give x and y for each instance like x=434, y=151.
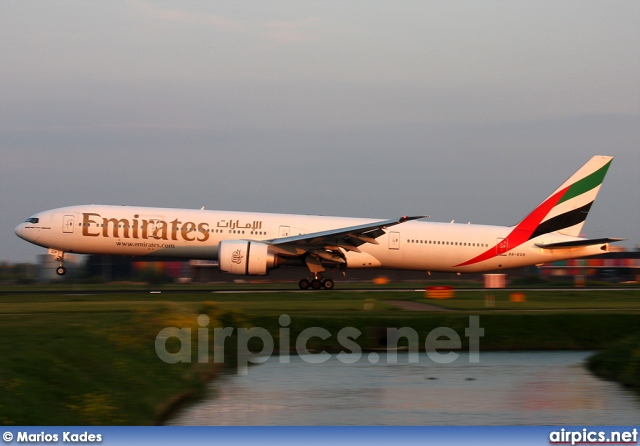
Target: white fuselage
x=195, y=234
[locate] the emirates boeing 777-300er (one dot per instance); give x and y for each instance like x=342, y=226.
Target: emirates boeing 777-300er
x=248, y=243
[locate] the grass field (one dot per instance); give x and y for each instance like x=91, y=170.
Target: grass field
x=88, y=356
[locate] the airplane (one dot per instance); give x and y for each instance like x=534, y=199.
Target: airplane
x=246, y=243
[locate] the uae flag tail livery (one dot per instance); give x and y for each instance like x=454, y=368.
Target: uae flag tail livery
x=566, y=209
x=563, y=212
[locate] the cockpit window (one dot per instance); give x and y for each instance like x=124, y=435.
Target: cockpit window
x=32, y=220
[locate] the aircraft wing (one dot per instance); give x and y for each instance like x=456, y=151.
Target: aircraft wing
x=577, y=243
x=348, y=238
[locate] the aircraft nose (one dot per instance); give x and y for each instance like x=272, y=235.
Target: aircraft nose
x=19, y=230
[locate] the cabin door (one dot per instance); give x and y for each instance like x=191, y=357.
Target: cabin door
x=394, y=240
x=283, y=231
x=502, y=246
x=67, y=224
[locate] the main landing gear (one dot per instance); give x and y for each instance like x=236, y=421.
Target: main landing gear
x=316, y=282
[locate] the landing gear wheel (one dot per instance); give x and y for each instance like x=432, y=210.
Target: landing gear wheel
x=328, y=284
x=304, y=284
x=316, y=284
x=61, y=270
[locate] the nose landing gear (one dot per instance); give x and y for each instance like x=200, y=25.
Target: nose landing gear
x=60, y=270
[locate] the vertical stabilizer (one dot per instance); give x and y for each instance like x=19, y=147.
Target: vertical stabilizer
x=566, y=209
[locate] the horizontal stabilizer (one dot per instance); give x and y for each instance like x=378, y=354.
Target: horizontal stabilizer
x=577, y=243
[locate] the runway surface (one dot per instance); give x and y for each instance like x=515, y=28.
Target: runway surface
x=294, y=289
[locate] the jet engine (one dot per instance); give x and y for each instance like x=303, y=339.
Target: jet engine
x=246, y=257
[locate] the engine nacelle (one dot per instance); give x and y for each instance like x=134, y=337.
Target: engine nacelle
x=245, y=257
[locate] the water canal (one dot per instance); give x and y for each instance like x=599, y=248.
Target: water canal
x=504, y=388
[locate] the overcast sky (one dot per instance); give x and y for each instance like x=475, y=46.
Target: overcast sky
x=467, y=110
